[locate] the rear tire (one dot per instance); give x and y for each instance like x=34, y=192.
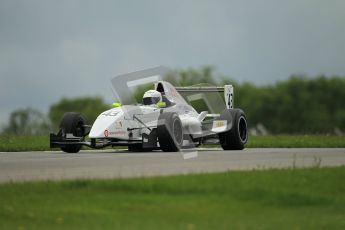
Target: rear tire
x=170, y=132
x=237, y=136
x=72, y=123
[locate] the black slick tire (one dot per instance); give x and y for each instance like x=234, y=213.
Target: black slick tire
x=72, y=123
x=236, y=137
x=170, y=132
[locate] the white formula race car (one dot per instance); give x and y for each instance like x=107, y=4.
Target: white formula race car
x=163, y=121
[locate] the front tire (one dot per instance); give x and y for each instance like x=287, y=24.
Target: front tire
x=170, y=132
x=237, y=136
x=72, y=123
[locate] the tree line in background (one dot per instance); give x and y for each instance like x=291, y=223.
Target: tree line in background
x=298, y=105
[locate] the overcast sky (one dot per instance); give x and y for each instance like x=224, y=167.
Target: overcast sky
x=50, y=49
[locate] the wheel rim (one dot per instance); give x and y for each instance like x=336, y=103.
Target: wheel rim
x=242, y=129
x=177, y=131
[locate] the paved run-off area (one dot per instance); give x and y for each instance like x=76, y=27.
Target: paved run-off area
x=56, y=165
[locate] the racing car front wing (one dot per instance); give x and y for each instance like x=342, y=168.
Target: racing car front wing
x=147, y=141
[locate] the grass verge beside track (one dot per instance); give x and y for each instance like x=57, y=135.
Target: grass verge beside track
x=11, y=143
x=272, y=199
x=296, y=141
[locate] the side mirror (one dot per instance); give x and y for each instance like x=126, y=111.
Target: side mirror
x=162, y=104
x=117, y=104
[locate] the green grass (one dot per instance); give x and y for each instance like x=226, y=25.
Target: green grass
x=296, y=141
x=272, y=199
x=10, y=143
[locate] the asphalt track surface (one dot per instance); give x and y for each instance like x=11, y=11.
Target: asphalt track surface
x=56, y=165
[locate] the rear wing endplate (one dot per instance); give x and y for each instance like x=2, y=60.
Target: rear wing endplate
x=227, y=89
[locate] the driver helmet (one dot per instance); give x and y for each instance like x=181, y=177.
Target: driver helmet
x=152, y=97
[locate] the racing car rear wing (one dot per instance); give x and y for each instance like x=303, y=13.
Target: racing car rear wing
x=227, y=89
